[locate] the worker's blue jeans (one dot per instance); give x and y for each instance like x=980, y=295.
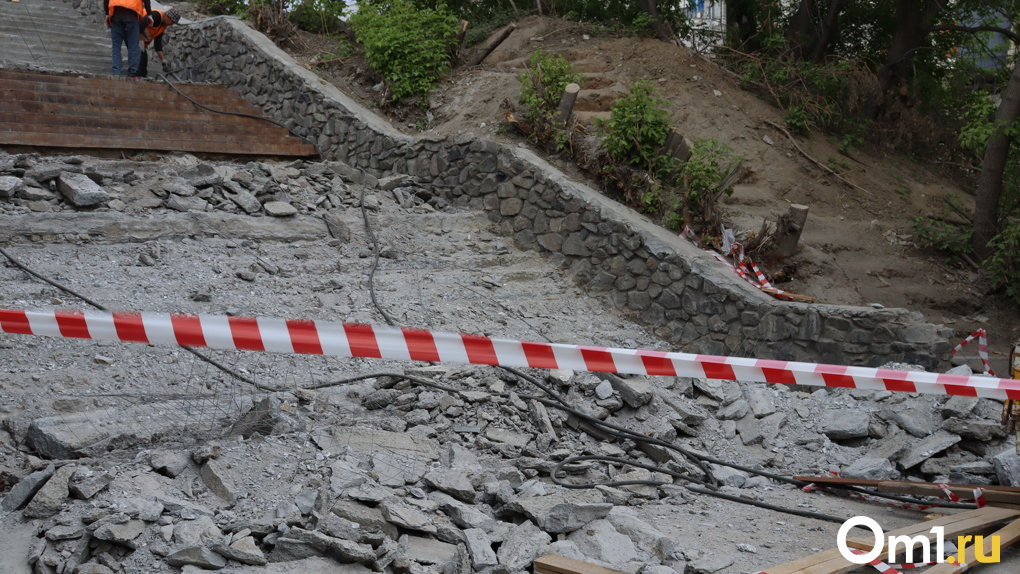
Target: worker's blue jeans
x=124, y=29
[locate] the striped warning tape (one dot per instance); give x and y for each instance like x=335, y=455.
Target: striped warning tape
x=404, y=344
x=979, y=495
x=982, y=336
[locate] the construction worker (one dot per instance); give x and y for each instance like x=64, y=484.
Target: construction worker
x=122, y=18
x=152, y=28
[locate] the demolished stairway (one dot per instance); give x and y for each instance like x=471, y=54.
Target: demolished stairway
x=103, y=112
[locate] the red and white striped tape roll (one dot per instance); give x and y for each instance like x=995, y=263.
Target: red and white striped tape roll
x=403, y=344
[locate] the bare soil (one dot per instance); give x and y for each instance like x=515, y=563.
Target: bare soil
x=856, y=248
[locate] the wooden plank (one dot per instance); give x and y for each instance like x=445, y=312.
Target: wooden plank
x=1007, y=537
x=832, y=562
x=215, y=146
x=155, y=101
x=91, y=118
x=556, y=564
x=993, y=493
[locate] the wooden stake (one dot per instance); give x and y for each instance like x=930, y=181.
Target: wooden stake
x=788, y=230
x=567, y=103
x=493, y=45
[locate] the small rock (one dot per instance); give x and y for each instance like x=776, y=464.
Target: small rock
x=279, y=209
x=604, y=390
x=10, y=186
x=65, y=532
x=244, y=550
x=747, y=548
x=197, y=556
x=185, y=204
x=124, y=533
x=218, y=481
x=169, y=463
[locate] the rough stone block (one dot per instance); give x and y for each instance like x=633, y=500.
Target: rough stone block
x=563, y=512
x=25, y=489
x=80, y=190
x=52, y=495
x=841, y=425
x=927, y=448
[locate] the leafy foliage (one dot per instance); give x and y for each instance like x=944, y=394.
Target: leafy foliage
x=221, y=7
x=407, y=45
x=940, y=235
x=1003, y=266
x=638, y=128
x=542, y=84
x=319, y=16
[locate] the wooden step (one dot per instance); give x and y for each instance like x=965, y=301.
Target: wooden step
x=104, y=112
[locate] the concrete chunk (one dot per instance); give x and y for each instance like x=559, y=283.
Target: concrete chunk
x=26, y=489
x=841, y=425
x=453, y=482
x=480, y=548
x=429, y=551
x=80, y=190
x=216, y=479
x=10, y=186
x=563, y=512
x=871, y=469
x=52, y=495
x=927, y=448
x=243, y=550
x=522, y=545
x=279, y=209
x=600, y=540
x=1007, y=467
x=635, y=392
x=197, y=556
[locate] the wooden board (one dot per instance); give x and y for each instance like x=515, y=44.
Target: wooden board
x=832, y=562
x=1004, y=494
x=1007, y=536
x=556, y=564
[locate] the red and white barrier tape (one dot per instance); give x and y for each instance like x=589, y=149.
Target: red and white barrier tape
x=979, y=495
x=403, y=344
x=982, y=336
x=743, y=266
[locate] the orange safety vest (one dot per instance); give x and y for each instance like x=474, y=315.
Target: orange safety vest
x=135, y=6
x=153, y=32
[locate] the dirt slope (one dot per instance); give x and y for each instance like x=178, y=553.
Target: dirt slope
x=856, y=246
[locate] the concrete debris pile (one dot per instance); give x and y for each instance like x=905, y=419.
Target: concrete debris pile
x=30, y=183
x=429, y=480
x=382, y=474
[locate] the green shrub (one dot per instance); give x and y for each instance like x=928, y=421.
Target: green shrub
x=1003, y=266
x=701, y=178
x=941, y=235
x=542, y=84
x=408, y=46
x=319, y=16
x=221, y=7
x=638, y=129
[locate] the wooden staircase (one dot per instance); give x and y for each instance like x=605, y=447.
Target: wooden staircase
x=106, y=112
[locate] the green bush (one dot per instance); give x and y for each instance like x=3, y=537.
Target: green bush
x=1003, y=266
x=940, y=235
x=319, y=16
x=638, y=128
x=221, y=7
x=542, y=84
x=408, y=46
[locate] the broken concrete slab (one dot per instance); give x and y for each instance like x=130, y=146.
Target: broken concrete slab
x=844, y=424
x=86, y=483
x=10, y=186
x=600, y=540
x=507, y=436
x=367, y=516
x=197, y=556
x=72, y=435
x=870, y=468
x=523, y=544
x=927, y=448
x=479, y=547
x=80, y=190
x=124, y=533
x=279, y=209
x=463, y=515
x=453, y=482
x=1007, y=467
x=761, y=401
x=428, y=550
x=406, y=516
x=243, y=550
x=25, y=489
x=216, y=478
x=563, y=511
x=636, y=392
x=397, y=469
x=337, y=548
x=50, y=498
x=169, y=463
x=370, y=440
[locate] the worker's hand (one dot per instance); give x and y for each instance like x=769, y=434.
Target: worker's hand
x=107, y=21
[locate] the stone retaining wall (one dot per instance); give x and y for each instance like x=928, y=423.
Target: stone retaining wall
x=681, y=292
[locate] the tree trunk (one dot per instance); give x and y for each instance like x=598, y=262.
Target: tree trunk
x=663, y=30
x=914, y=21
x=800, y=35
x=830, y=30
x=989, y=188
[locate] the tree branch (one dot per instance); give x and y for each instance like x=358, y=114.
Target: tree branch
x=975, y=29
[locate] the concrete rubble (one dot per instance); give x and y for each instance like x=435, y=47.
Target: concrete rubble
x=384, y=475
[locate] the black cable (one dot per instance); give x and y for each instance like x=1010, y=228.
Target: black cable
x=375, y=260
x=17, y=263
